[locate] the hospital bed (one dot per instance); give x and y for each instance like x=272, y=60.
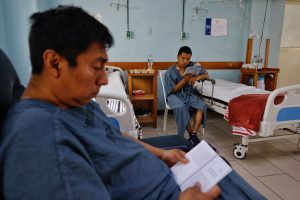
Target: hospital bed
x=114, y=102
x=286, y=115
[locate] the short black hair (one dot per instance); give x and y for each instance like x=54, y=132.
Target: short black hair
x=68, y=30
x=184, y=49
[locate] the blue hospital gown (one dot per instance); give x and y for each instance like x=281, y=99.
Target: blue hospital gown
x=183, y=100
x=52, y=153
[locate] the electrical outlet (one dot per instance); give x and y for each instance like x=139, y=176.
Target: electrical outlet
x=129, y=34
x=183, y=35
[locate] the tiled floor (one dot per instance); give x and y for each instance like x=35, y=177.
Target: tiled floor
x=272, y=167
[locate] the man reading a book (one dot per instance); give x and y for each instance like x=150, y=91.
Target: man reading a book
x=57, y=143
x=181, y=96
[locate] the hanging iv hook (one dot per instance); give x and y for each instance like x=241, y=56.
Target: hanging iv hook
x=118, y=5
x=197, y=9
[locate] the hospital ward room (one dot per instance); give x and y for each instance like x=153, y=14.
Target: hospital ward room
x=211, y=88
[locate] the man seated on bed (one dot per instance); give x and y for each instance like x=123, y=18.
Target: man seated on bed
x=57, y=143
x=181, y=95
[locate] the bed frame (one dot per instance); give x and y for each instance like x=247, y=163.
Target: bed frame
x=115, y=103
x=285, y=115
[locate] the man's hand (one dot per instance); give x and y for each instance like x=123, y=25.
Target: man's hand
x=193, y=80
x=194, y=193
x=185, y=80
x=170, y=157
x=187, y=77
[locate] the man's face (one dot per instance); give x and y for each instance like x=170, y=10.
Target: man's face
x=78, y=85
x=183, y=59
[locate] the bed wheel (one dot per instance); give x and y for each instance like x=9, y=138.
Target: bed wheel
x=239, y=151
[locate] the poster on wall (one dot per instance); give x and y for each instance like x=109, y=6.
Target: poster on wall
x=216, y=27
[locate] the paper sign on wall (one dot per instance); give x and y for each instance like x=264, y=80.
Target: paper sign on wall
x=216, y=27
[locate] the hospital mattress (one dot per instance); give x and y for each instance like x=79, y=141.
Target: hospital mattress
x=226, y=90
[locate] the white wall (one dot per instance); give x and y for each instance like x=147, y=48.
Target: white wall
x=15, y=29
x=289, y=59
x=2, y=31
x=271, y=28
x=291, y=26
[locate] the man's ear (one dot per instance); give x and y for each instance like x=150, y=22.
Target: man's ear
x=52, y=62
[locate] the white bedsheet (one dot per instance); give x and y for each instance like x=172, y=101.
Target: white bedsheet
x=226, y=90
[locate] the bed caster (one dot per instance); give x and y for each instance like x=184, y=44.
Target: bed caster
x=239, y=151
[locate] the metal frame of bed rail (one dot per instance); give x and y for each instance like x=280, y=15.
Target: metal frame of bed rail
x=275, y=117
x=212, y=103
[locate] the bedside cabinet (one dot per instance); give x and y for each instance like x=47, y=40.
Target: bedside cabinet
x=145, y=100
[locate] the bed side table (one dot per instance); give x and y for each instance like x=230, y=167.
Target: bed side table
x=270, y=75
x=144, y=80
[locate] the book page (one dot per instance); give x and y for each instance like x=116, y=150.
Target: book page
x=204, y=166
x=189, y=70
x=194, y=70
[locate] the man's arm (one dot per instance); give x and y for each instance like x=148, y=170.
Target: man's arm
x=199, y=77
x=190, y=80
x=202, y=74
x=170, y=157
x=186, y=79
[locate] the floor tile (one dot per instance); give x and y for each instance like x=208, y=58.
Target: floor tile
x=148, y=131
x=223, y=126
x=215, y=134
x=254, y=182
x=170, y=121
x=224, y=154
x=228, y=142
x=259, y=166
x=287, y=164
x=275, y=141
x=286, y=147
x=264, y=149
x=293, y=140
x=283, y=185
x=160, y=132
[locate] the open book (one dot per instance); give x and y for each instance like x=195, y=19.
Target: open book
x=195, y=70
x=204, y=166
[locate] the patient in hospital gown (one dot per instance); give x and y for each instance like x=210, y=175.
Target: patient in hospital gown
x=182, y=97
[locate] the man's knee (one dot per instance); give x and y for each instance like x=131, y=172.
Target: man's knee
x=200, y=112
x=179, y=108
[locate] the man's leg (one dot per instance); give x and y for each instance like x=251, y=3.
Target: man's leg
x=233, y=186
x=182, y=117
x=199, y=118
x=197, y=121
x=189, y=127
x=193, y=139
